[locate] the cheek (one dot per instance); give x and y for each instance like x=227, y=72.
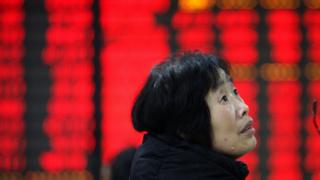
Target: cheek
x=225, y=142
x=227, y=137
x=224, y=112
x=224, y=121
x=224, y=127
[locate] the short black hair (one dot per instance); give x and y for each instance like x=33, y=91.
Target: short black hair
x=172, y=101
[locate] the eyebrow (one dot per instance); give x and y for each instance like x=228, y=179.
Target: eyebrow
x=230, y=79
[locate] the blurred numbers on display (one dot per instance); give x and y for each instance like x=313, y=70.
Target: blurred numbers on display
x=69, y=54
x=12, y=86
x=133, y=43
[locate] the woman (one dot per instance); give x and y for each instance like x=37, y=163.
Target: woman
x=196, y=122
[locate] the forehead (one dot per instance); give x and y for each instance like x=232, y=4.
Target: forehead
x=223, y=78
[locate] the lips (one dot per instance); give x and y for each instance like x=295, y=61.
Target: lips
x=247, y=126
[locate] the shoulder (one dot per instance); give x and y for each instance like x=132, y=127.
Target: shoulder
x=156, y=159
x=148, y=159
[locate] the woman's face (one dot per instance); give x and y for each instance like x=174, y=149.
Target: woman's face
x=232, y=129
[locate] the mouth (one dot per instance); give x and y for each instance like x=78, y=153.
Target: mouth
x=247, y=127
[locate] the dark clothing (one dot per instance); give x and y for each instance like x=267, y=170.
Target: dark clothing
x=121, y=164
x=168, y=158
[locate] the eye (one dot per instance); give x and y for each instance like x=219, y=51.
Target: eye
x=224, y=98
x=235, y=91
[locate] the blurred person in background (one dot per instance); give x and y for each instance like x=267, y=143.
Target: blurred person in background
x=120, y=166
x=196, y=123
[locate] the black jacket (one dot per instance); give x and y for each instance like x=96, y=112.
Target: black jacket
x=167, y=158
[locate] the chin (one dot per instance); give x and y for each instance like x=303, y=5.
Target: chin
x=250, y=145
x=245, y=148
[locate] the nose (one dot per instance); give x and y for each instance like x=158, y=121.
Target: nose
x=243, y=109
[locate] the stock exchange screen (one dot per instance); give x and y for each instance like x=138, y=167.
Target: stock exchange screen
x=70, y=71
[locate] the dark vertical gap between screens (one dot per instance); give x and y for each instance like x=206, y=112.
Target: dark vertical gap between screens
x=216, y=44
x=304, y=99
x=37, y=83
x=94, y=162
x=263, y=114
x=166, y=20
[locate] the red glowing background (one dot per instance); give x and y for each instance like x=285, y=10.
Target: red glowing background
x=47, y=84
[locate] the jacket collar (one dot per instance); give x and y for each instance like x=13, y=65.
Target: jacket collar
x=238, y=168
